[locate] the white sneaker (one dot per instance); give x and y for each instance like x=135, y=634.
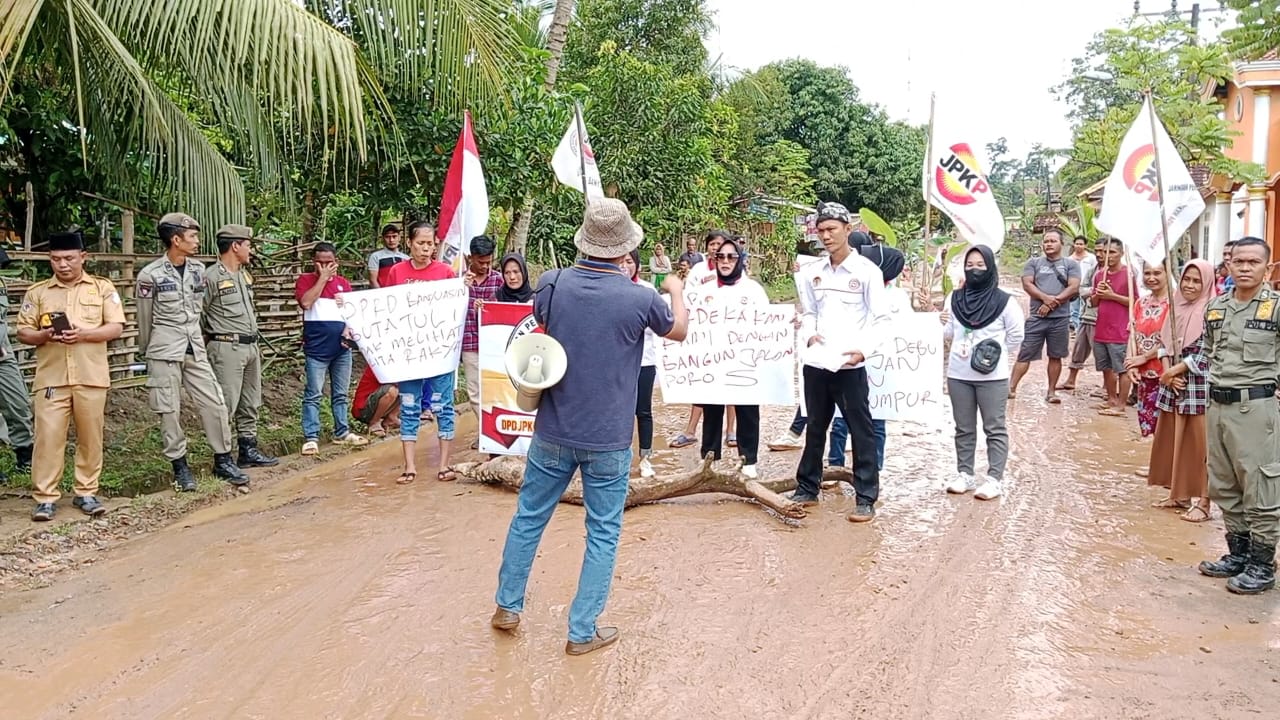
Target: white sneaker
x=749, y=472
x=962, y=483
x=350, y=439
x=786, y=441
x=989, y=489
x=646, y=468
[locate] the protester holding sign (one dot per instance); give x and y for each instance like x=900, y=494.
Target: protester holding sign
x=985, y=330
x=414, y=394
x=648, y=373
x=695, y=284
x=734, y=288
x=845, y=310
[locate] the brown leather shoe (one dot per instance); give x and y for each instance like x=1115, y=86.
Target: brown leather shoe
x=605, y=637
x=504, y=619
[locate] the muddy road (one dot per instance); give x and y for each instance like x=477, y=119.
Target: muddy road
x=339, y=594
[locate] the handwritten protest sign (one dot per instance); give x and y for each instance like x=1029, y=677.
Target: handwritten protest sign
x=733, y=355
x=504, y=428
x=906, y=376
x=408, y=332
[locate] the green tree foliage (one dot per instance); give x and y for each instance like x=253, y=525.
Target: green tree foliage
x=1257, y=30
x=856, y=154
x=668, y=33
x=1105, y=89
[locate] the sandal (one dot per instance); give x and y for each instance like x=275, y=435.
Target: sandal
x=378, y=431
x=1196, y=514
x=1112, y=412
x=1053, y=399
x=731, y=440
x=1171, y=504
x=446, y=476
x=1065, y=387
x=680, y=441
x=406, y=478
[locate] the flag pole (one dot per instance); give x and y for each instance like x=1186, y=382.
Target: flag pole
x=582, y=151
x=926, y=274
x=1164, y=219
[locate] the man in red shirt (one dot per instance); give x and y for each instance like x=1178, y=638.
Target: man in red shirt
x=1111, y=295
x=414, y=394
x=375, y=404
x=325, y=351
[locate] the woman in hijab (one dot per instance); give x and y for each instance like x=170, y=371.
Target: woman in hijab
x=515, y=280
x=733, y=287
x=648, y=372
x=1180, y=451
x=985, y=330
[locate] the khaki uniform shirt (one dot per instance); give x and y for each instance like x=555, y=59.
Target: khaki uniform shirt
x=228, y=302
x=1241, y=340
x=6, y=347
x=169, y=307
x=90, y=302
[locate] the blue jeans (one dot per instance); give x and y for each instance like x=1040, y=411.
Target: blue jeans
x=339, y=371
x=548, y=470
x=1076, y=308
x=840, y=436
x=438, y=392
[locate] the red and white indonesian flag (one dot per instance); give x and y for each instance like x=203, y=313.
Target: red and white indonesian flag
x=464, y=209
x=956, y=183
x=1131, y=198
x=574, y=159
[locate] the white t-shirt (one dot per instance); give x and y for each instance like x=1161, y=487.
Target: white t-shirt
x=650, y=356
x=746, y=292
x=1006, y=330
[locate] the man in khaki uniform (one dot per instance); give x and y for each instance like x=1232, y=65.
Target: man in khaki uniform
x=170, y=294
x=15, y=398
x=231, y=331
x=69, y=318
x=1242, y=344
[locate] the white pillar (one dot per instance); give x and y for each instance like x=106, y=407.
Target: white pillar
x=1261, y=125
x=1256, y=220
x=1220, y=233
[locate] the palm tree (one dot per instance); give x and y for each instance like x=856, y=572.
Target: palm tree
x=161, y=85
x=557, y=34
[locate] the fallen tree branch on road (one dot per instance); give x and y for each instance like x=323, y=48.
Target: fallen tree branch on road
x=507, y=472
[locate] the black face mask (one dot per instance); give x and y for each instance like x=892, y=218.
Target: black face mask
x=973, y=276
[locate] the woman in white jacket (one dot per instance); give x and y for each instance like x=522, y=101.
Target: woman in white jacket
x=985, y=329
x=733, y=287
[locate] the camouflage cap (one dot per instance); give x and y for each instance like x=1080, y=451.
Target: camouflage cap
x=235, y=232
x=179, y=219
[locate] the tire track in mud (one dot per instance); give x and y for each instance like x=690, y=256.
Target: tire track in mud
x=960, y=611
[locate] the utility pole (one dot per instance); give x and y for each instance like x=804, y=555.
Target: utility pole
x=1173, y=12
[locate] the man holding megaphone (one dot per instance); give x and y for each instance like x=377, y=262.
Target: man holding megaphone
x=585, y=421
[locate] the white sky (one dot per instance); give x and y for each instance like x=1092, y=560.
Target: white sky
x=991, y=61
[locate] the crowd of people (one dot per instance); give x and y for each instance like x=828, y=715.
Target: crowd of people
x=1202, y=355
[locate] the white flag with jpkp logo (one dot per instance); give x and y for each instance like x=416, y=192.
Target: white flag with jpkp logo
x=1131, y=198
x=955, y=182
x=574, y=163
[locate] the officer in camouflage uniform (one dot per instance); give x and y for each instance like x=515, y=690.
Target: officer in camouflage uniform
x=15, y=399
x=231, y=334
x=1242, y=343
x=170, y=294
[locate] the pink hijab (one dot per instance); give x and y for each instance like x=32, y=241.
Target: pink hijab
x=1190, y=314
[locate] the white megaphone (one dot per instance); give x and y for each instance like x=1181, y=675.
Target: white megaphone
x=534, y=363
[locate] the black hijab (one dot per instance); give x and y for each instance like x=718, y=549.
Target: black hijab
x=736, y=274
x=890, y=260
x=522, y=294
x=980, y=301
x=859, y=240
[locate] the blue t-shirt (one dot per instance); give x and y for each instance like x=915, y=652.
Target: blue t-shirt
x=599, y=316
